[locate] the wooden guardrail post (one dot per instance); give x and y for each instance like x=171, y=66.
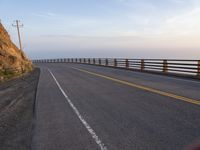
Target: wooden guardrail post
x=106, y=62
x=142, y=65
x=198, y=70
x=127, y=63
x=94, y=62
x=99, y=61
x=76, y=60
x=165, y=66
x=84, y=60
x=115, y=62
x=80, y=60
x=89, y=60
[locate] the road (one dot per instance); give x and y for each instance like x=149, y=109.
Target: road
x=85, y=107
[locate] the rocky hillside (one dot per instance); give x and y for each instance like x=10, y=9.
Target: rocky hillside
x=12, y=60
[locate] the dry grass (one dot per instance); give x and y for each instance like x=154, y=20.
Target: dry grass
x=13, y=61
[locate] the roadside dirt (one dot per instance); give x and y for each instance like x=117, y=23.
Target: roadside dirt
x=17, y=98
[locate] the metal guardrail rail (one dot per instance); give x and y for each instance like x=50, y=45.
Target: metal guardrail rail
x=165, y=66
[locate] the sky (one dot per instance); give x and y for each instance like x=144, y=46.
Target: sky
x=105, y=28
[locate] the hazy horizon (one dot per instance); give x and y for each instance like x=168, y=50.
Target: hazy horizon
x=105, y=28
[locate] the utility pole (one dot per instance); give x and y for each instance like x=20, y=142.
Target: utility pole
x=18, y=25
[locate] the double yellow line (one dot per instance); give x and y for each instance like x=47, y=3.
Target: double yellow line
x=174, y=96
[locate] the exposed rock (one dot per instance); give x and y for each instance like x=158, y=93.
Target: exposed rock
x=12, y=60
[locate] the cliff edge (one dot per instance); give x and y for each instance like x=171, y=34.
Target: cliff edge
x=12, y=60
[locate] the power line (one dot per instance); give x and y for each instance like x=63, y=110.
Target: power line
x=18, y=25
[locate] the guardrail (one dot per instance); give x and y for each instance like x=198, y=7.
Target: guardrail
x=165, y=66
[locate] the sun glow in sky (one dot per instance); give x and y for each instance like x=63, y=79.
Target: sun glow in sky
x=106, y=28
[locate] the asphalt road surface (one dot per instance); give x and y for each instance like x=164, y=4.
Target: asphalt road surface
x=85, y=107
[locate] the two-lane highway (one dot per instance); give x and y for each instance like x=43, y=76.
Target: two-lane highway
x=84, y=107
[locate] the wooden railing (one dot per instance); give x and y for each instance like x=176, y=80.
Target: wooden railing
x=166, y=66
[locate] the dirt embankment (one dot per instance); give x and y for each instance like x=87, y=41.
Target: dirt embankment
x=12, y=60
x=17, y=98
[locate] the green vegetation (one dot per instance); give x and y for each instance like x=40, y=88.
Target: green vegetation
x=8, y=74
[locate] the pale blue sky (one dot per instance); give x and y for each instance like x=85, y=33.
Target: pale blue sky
x=106, y=28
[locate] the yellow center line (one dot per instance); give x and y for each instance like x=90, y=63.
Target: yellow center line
x=178, y=97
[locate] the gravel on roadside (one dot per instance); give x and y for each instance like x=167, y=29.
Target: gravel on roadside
x=17, y=99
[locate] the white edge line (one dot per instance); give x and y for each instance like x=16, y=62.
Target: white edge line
x=87, y=126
